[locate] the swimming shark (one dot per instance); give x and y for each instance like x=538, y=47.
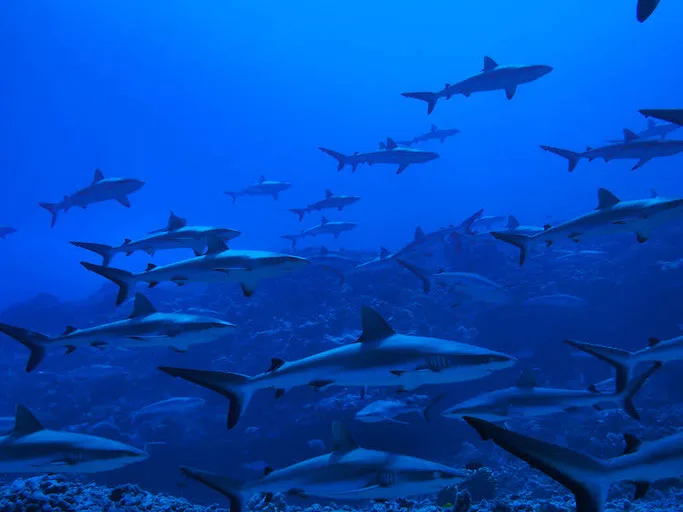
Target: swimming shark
x=337, y=262
x=329, y=228
x=474, y=287
x=393, y=154
x=645, y=8
x=264, y=187
x=176, y=408
x=631, y=148
x=349, y=472
x=492, y=78
x=6, y=230
x=31, y=448
x=330, y=202
x=386, y=410
x=527, y=400
x=653, y=131
x=144, y=328
x=218, y=265
x=101, y=189
x=671, y=115
x=587, y=477
x=182, y=237
x=435, y=134
x=487, y=222
x=380, y=357
x=612, y=216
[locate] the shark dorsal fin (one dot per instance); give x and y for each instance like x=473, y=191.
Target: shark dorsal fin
x=391, y=143
x=324, y=221
x=526, y=380
x=513, y=223
x=434, y=128
x=419, y=234
x=375, y=328
x=653, y=194
x=261, y=179
x=68, y=330
x=127, y=241
x=651, y=123
x=216, y=245
x=150, y=266
x=489, y=64
x=175, y=222
x=25, y=422
x=267, y=470
x=593, y=388
x=324, y=250
x=632, y=443
x=98, y=176
x=653, y=342
x=328, y=193
x=384, y=253
x=382, y=145
x=343, y=442
x=629, y=136
x=606, y=199
x=275, y=363
x=142, y=306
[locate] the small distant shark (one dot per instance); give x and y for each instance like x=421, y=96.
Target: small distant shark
x=387, y=410
x=562, y=300
x=612, y=216
x=672, y=115
x=492, y=78
x=262, y=188
x=349, y=472
x=653, y=131
x=218, y=265
x=645, y=8
x=435, y=134
x=474, y=287
x=527, y=400
x=144, y=328
x=586, y=477
x=6, y=230
x=337, y=262
x=175, y=407
x=324, y=228
x=31, y=448
x=330, y=202
x=177, y=235
x=380, y=357
x=631, y=148
x=101, y=189
x=392, y=154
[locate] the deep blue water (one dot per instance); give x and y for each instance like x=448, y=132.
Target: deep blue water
x=199, y=98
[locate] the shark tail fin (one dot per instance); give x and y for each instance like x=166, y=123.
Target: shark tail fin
x=522, y=242
x=300, y=212
x=234, y=196
x=571, y=156
x=34, y=341
x=427, y=411
x=340, y=157
x=53, y=208
x=233, y=386
x=622, y=360
x=430, y=97
x=106, y=251
x=632, y=387
x=467, y=224
x=645, y=9
x=417, y=272
x=586, y=477
x=122, y=278
x=232, y=489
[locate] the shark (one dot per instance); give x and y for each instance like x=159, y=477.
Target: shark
x=100, y=189
x=337, y=262
x=329, y=228
x=672, y=115
x=218, y=265
x=587, y=477
x=612, y=216
x=645, y=8
x=435, y=134
x=145, y=327
x=653, y=131
x=348, y=472
x=380, y=357
x=6, y=230
x=264, y=187
x=491, y=78
x=474, y=287
x=176, y=407
x=387, y=410
x=331, y=201
x=631, y=148
x=31, y=448
x=392, y=154
x=527, y=400
x=179, y=236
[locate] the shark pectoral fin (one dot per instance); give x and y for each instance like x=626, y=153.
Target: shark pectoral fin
x=401, y=168
x=510, y=91
x=181, y=349
x=320, y=384
x=393, y=420
x=641, y=489
x=152, y=284
x=398, y=373
x=100, y=345
x=642, y=237
x=247, y=289
x=70, y=348
x=124, y=201
x=640, y=163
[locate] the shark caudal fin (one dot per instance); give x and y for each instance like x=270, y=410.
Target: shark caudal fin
x=234, y=196
x=587, y=478
x=571, y=156
x=300, y=212
x=466, y=225
x=430, y=97
x=632, y=387
x=231, y=489
x=233, y=386
x=53, y=208
x=518, y=240
x=645, y=9
x=417, y=272
x=342, y=159
x=106, y=251
x=622, y=360
x=34, y=341
x=122, y=278
x=427, y=411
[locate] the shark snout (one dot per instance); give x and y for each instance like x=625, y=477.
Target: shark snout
x=131, y=185
x=541, y=70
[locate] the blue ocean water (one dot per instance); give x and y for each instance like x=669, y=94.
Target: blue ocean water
x=196, y=99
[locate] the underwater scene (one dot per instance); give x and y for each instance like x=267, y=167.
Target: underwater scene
x=362, y=256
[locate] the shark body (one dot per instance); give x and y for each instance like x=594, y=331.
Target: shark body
x=264, y=187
